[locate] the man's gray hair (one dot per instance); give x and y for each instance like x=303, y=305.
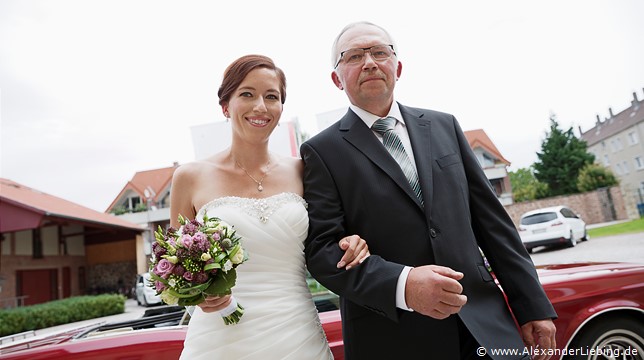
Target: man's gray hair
x=335, y=52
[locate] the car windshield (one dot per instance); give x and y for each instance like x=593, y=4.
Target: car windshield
x=538, y=218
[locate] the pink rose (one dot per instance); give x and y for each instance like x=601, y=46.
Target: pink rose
x=164, y=268
x=187, y=241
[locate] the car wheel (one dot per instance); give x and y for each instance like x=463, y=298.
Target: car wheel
x=138, y=302
x=618, y=338
x=585, y=237
x=572, y=242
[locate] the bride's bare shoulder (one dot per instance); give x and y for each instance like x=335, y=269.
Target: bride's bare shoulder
x=291, y=162
x=196, y=169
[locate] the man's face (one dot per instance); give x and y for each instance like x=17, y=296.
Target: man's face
x=369, y=84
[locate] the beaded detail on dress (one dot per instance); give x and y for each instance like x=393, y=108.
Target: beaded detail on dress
x=261, y=208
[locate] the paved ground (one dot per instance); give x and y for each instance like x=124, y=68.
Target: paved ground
x=625, y=248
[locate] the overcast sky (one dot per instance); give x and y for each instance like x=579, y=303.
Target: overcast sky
x=93, y=91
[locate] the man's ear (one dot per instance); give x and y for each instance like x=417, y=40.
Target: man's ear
x=336, y=80
x=398, y=71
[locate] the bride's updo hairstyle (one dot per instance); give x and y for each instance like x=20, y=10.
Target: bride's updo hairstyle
x=236, y=73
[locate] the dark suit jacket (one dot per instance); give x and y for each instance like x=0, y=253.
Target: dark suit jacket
x=353, y=186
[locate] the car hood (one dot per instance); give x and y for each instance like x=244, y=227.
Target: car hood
x=556, y=273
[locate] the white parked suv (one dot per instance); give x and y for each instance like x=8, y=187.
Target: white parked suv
x=145, y=294
x=551, y=226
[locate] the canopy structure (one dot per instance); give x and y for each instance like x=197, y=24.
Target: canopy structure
x=24, y=208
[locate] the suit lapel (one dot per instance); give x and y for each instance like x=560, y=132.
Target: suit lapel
x=362, y=138
x=419, y=129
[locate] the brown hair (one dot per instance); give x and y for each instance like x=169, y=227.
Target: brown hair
x=237, y=71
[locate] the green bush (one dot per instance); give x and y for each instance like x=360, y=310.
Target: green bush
x=595, y=176
x=58, y=312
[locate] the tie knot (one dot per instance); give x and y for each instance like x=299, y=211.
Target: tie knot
x=383, y=125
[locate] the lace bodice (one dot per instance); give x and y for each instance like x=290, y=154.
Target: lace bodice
x=261, y=208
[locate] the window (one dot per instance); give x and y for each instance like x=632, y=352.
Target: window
x=134, y=201
x=538, y=218
x=36, y=244
x=616, y=145
x=625, y=167
x=633, y=139
x=606, y=161
x=639, y=163
x=618, y=169
x=568, y=213
x=488, y=161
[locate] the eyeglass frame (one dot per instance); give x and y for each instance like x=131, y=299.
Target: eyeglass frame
x=365, y=50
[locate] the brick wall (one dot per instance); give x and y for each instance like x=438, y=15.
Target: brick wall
x=12, y=264
x=593, y=206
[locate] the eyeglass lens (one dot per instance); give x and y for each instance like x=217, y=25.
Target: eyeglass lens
x=378, y=52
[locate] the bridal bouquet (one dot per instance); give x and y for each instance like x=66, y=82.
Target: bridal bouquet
x=195, y=261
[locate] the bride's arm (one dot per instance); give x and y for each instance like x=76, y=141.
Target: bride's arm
x=181, y=203
x=181, y=194
x=355, y=251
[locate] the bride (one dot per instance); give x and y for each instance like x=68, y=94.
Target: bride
x=259, y=193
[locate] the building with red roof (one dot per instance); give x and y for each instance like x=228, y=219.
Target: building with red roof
x=493, y=163
x=51, y=248
x=145, y=200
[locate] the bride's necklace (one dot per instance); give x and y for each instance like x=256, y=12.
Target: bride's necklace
x=260, y=188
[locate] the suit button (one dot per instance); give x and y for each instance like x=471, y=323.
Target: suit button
x=432, y=232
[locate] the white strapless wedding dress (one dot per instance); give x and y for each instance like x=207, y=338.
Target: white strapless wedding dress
x=280, y=320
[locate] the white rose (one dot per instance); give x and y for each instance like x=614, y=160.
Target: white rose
x=205, y=256
x=238, y=258
x=169, y=298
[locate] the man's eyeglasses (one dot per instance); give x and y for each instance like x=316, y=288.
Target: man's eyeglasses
x=355, y=56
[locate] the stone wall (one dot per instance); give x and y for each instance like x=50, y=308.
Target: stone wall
x=112, y=278
x=597, y=206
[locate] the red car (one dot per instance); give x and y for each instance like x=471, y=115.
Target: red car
x=600, y=308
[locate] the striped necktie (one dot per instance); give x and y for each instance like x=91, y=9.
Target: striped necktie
x=391, y=140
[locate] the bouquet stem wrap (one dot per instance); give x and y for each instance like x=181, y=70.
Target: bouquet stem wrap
x=232, y=313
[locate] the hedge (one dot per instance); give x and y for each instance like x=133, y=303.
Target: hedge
x=58, y=312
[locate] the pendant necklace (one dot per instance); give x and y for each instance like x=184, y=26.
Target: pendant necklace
x=260, y=188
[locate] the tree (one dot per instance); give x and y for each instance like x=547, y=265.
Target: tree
x=526, y=187
x=595, y=176
x=561, y=159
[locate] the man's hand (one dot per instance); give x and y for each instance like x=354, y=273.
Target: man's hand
x=434, y=291
x=540, y=335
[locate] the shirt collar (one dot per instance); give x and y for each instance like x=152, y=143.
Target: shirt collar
x=369, y=118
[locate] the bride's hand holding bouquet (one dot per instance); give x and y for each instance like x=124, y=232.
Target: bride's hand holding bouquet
x=196, y=262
